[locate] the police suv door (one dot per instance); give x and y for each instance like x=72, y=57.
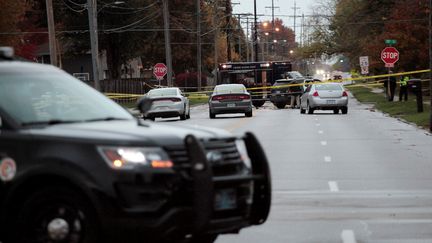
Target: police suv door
x=12, y=152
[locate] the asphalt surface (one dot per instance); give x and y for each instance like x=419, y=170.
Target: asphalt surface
x=360, y=177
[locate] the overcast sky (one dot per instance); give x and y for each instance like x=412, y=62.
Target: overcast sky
x=285, y=7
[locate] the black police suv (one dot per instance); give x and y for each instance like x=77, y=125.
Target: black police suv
x=77, y=167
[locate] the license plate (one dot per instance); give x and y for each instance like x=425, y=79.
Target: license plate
x=231, y=105
x=331, y=102
x=225, y=199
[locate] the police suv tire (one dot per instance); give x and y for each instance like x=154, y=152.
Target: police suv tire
x=42, y=207
x=336, y=111
x=344, y=110
x=248, y=114
x=183, y=117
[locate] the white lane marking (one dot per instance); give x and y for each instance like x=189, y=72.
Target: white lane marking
x=333, y=186
x=327, y=159
x=316, y=119
x=323, y=143
x=320, y=131
x=318, y=124
x=348, y=236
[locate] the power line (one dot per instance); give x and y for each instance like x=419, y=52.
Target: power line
x=124, y=28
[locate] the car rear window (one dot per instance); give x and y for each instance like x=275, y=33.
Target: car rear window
x=328, y=87
x=228, y=89
x=162, y=92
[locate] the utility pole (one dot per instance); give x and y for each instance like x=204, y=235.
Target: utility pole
x=51, y=33
x=228, y=31
x=430, y=63
x=295, y=17
x=247, y=40
x=255, y=32
x=216, y=36
x=198, y=2
x=302, y=31
x=168, y=57
x=92, y=14
x=239, y=36
x=273, y=27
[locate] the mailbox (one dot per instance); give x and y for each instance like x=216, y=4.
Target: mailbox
x=414, y=85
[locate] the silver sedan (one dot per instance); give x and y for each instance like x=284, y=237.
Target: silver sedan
x=326, y=96
x=230, y=98
x=167, y=102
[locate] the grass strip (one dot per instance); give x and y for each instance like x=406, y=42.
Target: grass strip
x=403, y=110
x=198, y=100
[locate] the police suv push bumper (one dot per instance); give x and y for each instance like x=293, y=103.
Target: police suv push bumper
x=205, y=183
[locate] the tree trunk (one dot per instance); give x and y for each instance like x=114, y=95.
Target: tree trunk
x=113, y=57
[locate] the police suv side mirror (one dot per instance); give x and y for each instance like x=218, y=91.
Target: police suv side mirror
x=144, y=104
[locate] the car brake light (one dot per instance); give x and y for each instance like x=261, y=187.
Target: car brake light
x=231, y=97
x=315, y=94
x=345, y=94
x=217, y=98
x=169, y=99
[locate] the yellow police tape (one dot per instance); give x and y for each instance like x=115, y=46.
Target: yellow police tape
x=265, y=89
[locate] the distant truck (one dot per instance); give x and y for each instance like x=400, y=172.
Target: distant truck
x=255, y=76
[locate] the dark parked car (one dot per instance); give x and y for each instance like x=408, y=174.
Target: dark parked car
x=284, y=90
x=77, y=167
x=230, y=98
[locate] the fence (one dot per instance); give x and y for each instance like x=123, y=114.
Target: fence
x=127, y=86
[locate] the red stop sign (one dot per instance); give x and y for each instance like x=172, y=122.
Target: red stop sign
x=160, y=70
x=390, y=55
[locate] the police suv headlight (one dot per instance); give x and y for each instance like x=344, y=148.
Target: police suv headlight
x=130, y=157
x=241, y=147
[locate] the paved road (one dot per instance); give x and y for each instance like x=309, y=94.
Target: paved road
x=361, y=177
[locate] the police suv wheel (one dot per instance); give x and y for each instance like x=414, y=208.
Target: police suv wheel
x=54, y=215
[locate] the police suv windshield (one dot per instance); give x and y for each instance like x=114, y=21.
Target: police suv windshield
x=32, y=98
